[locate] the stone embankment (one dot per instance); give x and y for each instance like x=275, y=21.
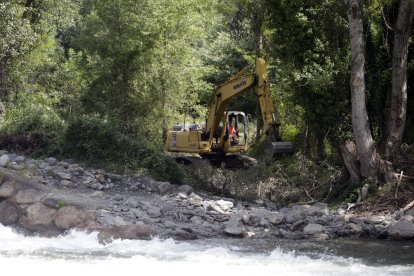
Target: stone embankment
x=49, y=197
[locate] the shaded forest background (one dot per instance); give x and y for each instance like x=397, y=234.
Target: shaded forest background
x=103, y=80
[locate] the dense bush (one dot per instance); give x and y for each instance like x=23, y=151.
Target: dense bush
x=32, y=126
x=104, y=142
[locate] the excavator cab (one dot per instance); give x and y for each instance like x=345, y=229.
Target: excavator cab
x=236, y=131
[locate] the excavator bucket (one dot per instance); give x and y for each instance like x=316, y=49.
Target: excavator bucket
x=282, y=148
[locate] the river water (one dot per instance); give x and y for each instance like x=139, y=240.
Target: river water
x=80, y=253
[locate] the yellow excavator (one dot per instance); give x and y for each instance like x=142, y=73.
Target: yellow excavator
x=224, y=135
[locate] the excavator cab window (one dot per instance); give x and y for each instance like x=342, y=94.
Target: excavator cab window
x=236, y=131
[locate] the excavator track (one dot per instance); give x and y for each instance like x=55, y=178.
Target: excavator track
x=229, y=161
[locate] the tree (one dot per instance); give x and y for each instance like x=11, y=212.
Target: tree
x=361, y=129
x=311, y=51
x=398, y=107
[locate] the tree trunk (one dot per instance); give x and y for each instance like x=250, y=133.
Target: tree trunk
x=320, y=150
x=398, y=109
x=350, y=157
x=360, y=122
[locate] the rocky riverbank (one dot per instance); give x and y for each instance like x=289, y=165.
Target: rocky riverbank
x=49, y=197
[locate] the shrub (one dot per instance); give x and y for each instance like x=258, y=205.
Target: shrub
x=105, y=141
x=32, y=126
x=164, y=167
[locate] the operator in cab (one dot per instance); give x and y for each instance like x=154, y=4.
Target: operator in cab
x=232, y=133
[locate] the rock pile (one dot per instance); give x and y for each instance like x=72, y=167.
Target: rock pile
x=49, y=197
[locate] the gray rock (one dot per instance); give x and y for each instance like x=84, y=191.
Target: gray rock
x=63, y=175
x=51, y=161
x=356, y=220
x=196, y=220
x=182, y=196
x=73, y=166
x=71, y=216
x=113, y=176
x=28, y=196
x=100, y=178
x=294, y=215
x=170, y=224
x=97, y=194
x=20, y=159
x=402, y=229
x=212, y=206
x=4, y=159
x=408, y=218
x=195, y=200
x=318, y=209
x=373, y=220
x=234, y=230
x=163, y=187
x=131, y=232
x=6, y=189
x=276, y=218
x=2, y=152
x=139, y=214
x=355, y=228
x=38, y=214
x=64, y=164
x=12, y=157
x=185, y=189
x=154, y=212
x=245, y=218
x=52, y=202
x=263, y=223
x=9, y=214
x=224, y=205
x=66, y=183
x=321, y=237
x=410, y=212
x=106, y=219
x=291, y=235
x=313, y=228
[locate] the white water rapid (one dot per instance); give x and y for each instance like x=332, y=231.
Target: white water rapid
x=80, y=253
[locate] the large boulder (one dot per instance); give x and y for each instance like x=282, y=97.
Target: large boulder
x=38, y=214
x=234, y=230
x=163, y=188
x=28, y=196
x=9, y=214
x=313, y=229
x=276, y=218
x=185, y=189
x=294, y=215
x=4, y=159
x=402, y=229
x=318, y=209
x=224, y=205
x=131, y=232
x=71, y=216
x=7, y=188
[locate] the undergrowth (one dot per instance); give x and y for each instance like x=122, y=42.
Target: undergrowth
x=291, y=179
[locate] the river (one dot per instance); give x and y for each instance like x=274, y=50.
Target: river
x=80, y=253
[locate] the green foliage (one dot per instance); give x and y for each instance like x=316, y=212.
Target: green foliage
x=95, y=138
x=32, y=125
x=60, y=204
x=164, y=167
